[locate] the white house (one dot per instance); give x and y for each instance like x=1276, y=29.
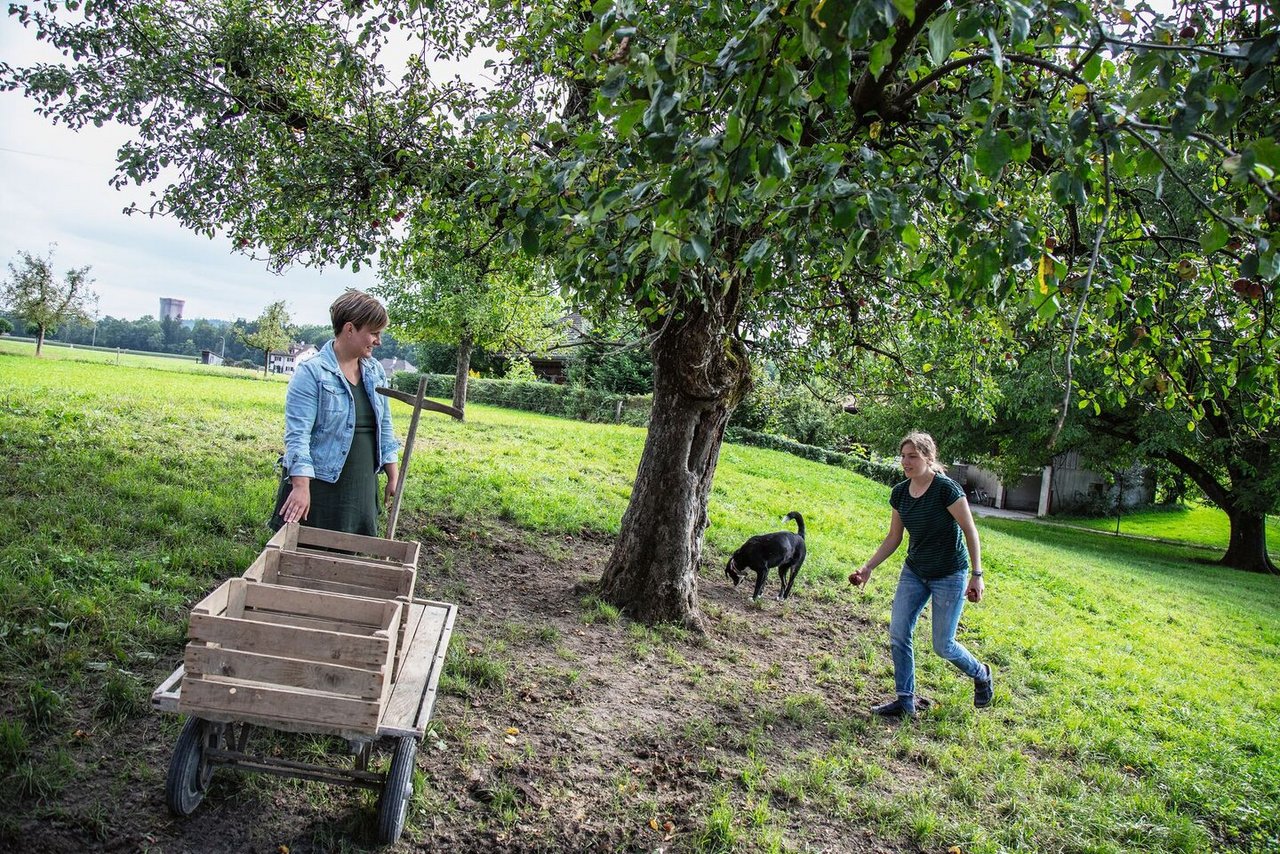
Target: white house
x=286, y=362
x=391, y=366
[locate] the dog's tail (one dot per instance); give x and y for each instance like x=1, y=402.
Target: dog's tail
x=799, y=522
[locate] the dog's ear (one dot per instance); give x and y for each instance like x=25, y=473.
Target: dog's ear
x=731, y=570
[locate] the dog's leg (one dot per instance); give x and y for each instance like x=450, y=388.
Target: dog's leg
x=789, y=580
x=762, y=576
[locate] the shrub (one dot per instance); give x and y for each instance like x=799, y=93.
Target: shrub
x=882, y=472
x=566, y=401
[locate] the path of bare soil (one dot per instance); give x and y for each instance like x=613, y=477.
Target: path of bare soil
x=593, y=736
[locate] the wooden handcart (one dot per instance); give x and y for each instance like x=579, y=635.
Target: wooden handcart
x=316, y=641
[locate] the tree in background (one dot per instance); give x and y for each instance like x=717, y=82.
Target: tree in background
x=5, y=326
x=32, y=292
x=273, y=333
x=434, y=299
x=824, y=175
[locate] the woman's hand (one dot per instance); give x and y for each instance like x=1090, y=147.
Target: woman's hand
x=861, y=577
x=392, y=471
x=975, y=589
x=298, y=505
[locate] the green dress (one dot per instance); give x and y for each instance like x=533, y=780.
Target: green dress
x=351, y=504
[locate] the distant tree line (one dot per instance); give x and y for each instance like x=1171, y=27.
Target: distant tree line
x=188, y=338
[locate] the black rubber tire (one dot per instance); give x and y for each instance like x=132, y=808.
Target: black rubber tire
x=189, y=774
x=393, y=803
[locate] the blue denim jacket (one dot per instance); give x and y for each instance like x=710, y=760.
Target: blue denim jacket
x=320, y=417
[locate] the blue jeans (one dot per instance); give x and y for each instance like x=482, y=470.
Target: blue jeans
x=948, y=601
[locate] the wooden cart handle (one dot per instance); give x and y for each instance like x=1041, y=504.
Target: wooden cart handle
x=419, y=402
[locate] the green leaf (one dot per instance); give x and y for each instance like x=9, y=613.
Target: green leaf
x=1092, y=68
x=881, y=53
x=911, y=236
x=994, y=151
x=942, y=37
x=779, y=163
x=627, y=120
x=700, y=247
x=907, y=8
x=592, y=38
x=757, y=251
x=1215, y=238
x=530, y=239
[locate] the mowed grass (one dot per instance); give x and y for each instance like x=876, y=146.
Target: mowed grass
x=58, y=351
x=1136, y=699
x=1188, y=523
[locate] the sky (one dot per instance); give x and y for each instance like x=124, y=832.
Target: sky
x=54, y=188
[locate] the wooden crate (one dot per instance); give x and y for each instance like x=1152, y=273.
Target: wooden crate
x=304, y=539
x=332, y=573
x=288, y=657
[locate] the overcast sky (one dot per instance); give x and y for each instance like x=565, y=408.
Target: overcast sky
x=54, y=189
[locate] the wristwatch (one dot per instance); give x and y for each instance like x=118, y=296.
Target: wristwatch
x=977, y=574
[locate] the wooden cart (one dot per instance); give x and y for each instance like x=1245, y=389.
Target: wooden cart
x=310, y=640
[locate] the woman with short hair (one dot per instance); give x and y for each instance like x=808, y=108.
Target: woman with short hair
x=337, y=433
x=931, y=507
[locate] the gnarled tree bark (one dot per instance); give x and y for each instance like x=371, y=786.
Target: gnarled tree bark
x=700, y=374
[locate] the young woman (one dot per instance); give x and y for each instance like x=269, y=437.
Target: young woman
x=337, y=429
x=933, y=510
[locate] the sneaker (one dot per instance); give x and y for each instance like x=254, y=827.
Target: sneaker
x=900, y=707
x=982, y=689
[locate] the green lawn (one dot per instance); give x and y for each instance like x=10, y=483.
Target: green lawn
x=1187, y=523
x=1137, y=683
x=57, y=351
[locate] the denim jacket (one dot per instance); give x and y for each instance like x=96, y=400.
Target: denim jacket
x=320, y=417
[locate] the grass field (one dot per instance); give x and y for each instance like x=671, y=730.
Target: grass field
x=1188, y=523
x=57, y=351
x=1136, y=703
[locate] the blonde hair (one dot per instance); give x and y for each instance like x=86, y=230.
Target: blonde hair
x=357, y=308
x=926, y=447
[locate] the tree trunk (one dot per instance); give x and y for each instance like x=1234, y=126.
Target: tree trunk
x=1248, y=546
x=266, y=360
x=462, y=373
x=39, y=339
x=700, y=374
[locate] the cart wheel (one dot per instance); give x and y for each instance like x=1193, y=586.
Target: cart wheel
x=189, y=772
x=393, y=803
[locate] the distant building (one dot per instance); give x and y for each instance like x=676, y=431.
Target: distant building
x=171, y=309
x=391, y=366
x=208, y=357
x=287, y=361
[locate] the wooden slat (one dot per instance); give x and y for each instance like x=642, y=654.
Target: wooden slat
x=307, y=603
x=413, y=618
x=276, y=618
x=388, y=666
x=286, y=538
x=290, y=642
x=235, y=596
x=396, y=580
x=214, y=603
x=165, y=697
x=437, y=668
x=290, y=672
x=304, y=583
x=402, y=707
x=265, y=567
x=246, y=701
x=397, y=550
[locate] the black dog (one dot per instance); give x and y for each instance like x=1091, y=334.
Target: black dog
x=762, y=552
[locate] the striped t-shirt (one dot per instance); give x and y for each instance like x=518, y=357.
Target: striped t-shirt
x=936, y=546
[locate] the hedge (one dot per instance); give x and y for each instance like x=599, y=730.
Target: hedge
x=585, y=404
x=565, y=401
x=885, y=473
